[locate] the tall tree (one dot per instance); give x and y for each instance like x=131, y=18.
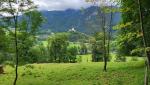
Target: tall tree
x=3, y=44
x=106, y=28
x=10, y=13
x=57, y=47
x=28, y=28
x=109, y=31
x=97, y=47
x=136, y=35
x=144, y=42
x=138, y=16
x=104, y=40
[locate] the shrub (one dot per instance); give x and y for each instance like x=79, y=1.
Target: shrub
x=29, y=66
x=10, y=63
x=134, y=59
x=1, y=58
x=72, y=53
x=120, y=58
x=79, y=59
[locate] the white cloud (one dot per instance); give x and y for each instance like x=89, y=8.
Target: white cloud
x=61, y=4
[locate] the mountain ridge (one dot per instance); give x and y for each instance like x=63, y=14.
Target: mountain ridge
x=85, y=21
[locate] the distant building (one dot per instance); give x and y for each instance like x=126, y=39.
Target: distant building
x=72, y=30
x=52, y=33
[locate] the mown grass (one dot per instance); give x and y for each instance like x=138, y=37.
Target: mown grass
x=88, y=58
x=121, y=73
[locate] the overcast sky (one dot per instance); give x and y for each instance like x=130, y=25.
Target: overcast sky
x=52, y=5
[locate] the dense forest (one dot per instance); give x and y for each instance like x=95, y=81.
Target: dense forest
x=101, y=42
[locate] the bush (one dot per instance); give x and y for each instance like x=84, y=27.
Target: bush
x=110, y=57
x=1, y=58
x=10, y=63
x=79, y=59
x=120, y=58
x=29, y=66
x=72, y=53
x=134, y=59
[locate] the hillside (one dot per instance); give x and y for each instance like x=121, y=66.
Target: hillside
x=85, y=21
x=73, y=36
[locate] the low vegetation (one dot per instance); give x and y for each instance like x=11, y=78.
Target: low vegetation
x=123, y=73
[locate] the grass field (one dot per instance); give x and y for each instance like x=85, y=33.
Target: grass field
x=121, y=73
x=88, y=58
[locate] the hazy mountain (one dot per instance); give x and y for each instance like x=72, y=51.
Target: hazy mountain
x=86, y=20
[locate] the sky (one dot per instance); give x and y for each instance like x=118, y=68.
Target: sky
x=52, y=5
x=62, y=5
x=57, y=5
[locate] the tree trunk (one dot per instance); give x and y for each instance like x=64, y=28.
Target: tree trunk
x=145, y=44
x=17, y=53
x=104, y=43
x=105, y=53
x=148, y=57
x=105, y=64
x=109, y=35
x=1, y=69
x=146, y=75
x=17, y=50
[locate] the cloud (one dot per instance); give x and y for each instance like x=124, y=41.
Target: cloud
x=52, y=5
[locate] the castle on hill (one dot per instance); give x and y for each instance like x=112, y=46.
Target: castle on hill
x=72, y=30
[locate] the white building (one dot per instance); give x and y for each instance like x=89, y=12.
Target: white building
x=72, y=30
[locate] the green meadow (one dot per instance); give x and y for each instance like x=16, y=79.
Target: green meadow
x=84, y=73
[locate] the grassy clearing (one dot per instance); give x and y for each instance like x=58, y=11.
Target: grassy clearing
x=127, y=73
x=88, y=58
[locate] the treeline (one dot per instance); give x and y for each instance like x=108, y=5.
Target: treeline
x=56, y=49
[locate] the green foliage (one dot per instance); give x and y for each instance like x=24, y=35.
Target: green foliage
x=5, y=46
x=39, y=54
x=134, y=59
x=97, y=51
x=120, y=58
x=9, y=63
x=138, y=51
x=129, y=40
x=60, y=50
x=78, y=37
x=98, y=47
x=121, y=26
x=83, y=49
x=3, y=40
x=34, y=54
x=29, y=66
x=79, y=59
x=127, y=43
x=1, y=58
x=29, y=25
x=72, y=54
x=57, y=47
